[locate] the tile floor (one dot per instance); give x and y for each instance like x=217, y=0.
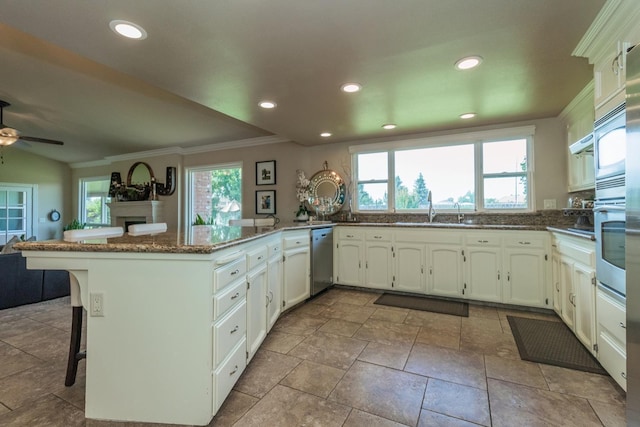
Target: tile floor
x=338, y=360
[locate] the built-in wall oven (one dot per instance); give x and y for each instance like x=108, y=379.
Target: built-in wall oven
x=609, y=224
x=609, y=154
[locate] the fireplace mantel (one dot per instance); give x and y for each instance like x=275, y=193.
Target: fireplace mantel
x=149, y=211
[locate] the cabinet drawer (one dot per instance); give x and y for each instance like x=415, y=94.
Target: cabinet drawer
x=350, y=233
x=584, y=253
x=226, y=274
x=482, y=240
x=256, y=256
x=613, y=360
x=379, y=235
x=231, y=295
x=296, y=241
x=274, y=249
x=228, y=331
x=533, y=242
x=228, y=373
x=611, y=317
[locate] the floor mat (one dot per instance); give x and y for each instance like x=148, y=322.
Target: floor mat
x=425, y=304
x=552, y=343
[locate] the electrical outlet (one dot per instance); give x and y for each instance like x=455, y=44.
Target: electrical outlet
x=549, y=203
x=96, y=304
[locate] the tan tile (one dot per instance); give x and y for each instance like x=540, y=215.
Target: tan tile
x=234, y=407
x=483, y=311
x=266, y=370
x=35, y=335
x=313, y=378
x=546, y=315
x=479, y=324
x=459, y=401
x=328, y=349
x=442, y=331
x=30, y=384
x=432, y=320
x=286, y=407
x=51, y=348
x=46, y=411
x=357, y=298
x=330, y=297
x=299, y=324
x=281, y=342
x=388, y=393
x=513, y=404
x=3, y=409
x=611, y=415
x=340, y=327
x=584, y=384
x=397, y=315
x=515, y=371
x=493, y=343
x=392, y=356
x=350, y=312
x=52, y=316
x=358, y=419
x=387, y=332
x=309, y=309
x=18, y=326
x=74, y=394
x=446, y=364
x=13, y=360
x=432, y=419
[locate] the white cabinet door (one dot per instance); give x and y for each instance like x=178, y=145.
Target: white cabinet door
x=445, y=269
x=256, y=308
x=296, y=281
x=555, y=274
x=378, y=265
x=566, y=287
x=274, y=295
x=585, y=305
x=348, y=262
x=482, y=280
x=524, y=283
x=409, y=267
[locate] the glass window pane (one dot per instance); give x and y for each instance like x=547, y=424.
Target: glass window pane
x=448, y=172
x=16, y=224
x=505, y=193
x=373, y=166
x=3, y=198
x=16, y=213
x=504, y=156
x=217, y=194
x=372, y=196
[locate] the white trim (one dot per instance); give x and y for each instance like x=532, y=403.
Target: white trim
x=458, y=138
x=243, y=143
x=585, y=93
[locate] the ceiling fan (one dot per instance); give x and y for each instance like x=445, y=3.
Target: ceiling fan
x=10, y=135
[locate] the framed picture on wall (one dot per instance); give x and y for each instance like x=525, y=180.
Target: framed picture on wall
x=266, y=202
x=266, y=172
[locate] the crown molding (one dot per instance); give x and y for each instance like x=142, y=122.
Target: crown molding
x=230, y=145
x=586, y=94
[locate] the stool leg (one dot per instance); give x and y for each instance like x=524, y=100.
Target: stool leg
x=74, y=346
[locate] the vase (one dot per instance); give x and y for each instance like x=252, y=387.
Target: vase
x=302, y=216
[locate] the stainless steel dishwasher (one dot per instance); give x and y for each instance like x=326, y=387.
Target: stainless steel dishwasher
x=321, y=259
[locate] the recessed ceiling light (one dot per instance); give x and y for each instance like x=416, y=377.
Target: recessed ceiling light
x=467, y=115
x=389, y=126
x=468, y=62
x=267, y=104
x=128, y=29
x=325, y=134
x=351, y=87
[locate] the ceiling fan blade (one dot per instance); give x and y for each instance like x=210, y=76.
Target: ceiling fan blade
x=46, y=141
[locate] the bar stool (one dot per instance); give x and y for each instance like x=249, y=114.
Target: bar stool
x=75, y=355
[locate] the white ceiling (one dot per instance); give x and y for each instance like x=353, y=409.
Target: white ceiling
x=198, y=77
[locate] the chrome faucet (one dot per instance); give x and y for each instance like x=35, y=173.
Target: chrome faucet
x=460, y=215
x=432, y=212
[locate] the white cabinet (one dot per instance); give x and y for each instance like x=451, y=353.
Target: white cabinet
x=256, y=299
x=445, y=260
x=378, y=259
x=349, y=256
x=555, y=274
x=576, y=280
x=296, y=268
x=409, y=267
x=612, y=335
x=482, y=258
x=526, y=270
x=274, y=279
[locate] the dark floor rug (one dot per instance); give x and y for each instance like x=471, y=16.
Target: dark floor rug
x=552, y=343
x=425, y=304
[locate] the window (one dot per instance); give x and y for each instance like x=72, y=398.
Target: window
x=215, y=193
x=94, y=196
x=480, y=171
x=16, y=205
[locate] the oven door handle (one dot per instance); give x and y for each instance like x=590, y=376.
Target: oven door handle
x=605, y=209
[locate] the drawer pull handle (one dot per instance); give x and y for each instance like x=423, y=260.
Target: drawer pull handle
x=260, y=258
x=349, y=235
x=525, y=243
x=233, y=273
x=234, y=370
x=623, y=326
x=237, y=294
x=234, y=330
x=483, y=241
x=377, y=237
x=623, y=375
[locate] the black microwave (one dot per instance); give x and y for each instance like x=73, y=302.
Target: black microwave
x=610, y=152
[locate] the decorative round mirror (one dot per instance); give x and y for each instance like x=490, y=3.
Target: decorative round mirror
x=140, y=174
x=326, y=192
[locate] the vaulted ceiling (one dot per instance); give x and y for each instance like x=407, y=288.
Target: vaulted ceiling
x=198, y=77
